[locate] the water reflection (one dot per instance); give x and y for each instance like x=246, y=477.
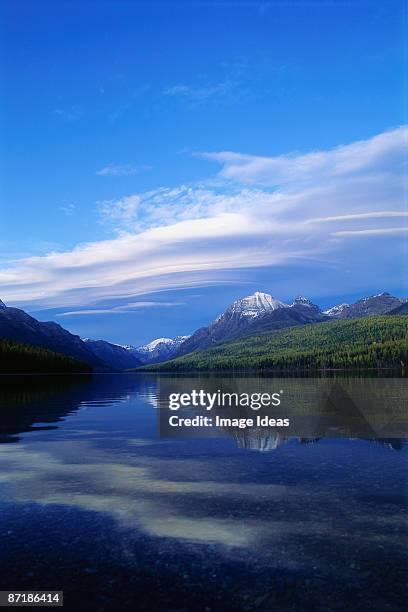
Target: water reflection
x=370, y=409
x=100, y=505
x=28, y=403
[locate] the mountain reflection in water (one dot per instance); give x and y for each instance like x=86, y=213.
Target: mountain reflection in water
x=265, y=441
x=94, y=503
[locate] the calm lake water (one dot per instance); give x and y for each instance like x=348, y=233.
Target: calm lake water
x=94, y=503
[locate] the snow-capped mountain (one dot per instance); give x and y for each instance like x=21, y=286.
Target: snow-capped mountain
x=335, y=311
x=250, y=315
x=300, y=300
x=261, y=312
x=302, y=311
x=151, y=346
x=379, y=304
x=253, y=313
x=254, y=305
x=159, y=349
x=128, y=347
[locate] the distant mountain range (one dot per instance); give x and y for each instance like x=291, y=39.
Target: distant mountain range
x=372, y=342
x=252, y=314
x=382, y=303
x=261, y=312
x=158, y=350
x=17, y=325
x=114, y=355
x=247, y=316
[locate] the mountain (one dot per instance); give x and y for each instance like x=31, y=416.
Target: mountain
x=116, y=356
x=374, y=305
x=253, y=314
x=259, y=313
x=300, y=300
x=157, y=350
x=24, y=358
x=402, y=309
x=337, y=311
x=371, y=342
x=17, y=325
x=301, y=312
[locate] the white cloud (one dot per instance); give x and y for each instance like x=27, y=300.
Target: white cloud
x=346, y=160
x=199, y=95
x=231, y=85
x=194, y=235
x=68, y=209
x=382, y=214
x=70, y=115
x=146, y=493
x=124, y=309
x=381, y=231
x=122, y=170
x=165, y=206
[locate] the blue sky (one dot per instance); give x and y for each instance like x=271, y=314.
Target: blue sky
x=160, y=159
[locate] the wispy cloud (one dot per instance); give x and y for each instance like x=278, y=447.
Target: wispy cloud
x=69, y=114
x=199, y=95
x=122, y=170
x=163, y=206
x=204, y=90
x=380, y=231
x=124, y=309
x=68, y=209
x=382, y=214
x=281, y=211
x=346, y=160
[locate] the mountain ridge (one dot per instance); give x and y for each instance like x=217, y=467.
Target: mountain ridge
x=17, y=325
x=261, y=312
x=16, y=357
x=254, y=314
x=378, y=304
x=369, y=342
x=116, y=356
x=159, y=349
x=249, y=313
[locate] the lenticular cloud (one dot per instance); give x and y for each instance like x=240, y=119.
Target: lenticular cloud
x=285, y=210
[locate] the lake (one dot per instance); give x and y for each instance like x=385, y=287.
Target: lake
x=95, y=503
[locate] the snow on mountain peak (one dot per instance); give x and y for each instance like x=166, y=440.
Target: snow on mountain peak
x=256, y=304
x=377, y=295
x=300, y=299
x=150, y=346
x=180, y=338
x=335, y=310
x=169, y=342
x=2, y=305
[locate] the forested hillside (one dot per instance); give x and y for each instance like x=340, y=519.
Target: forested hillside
x=24, y=358
x=372, y=342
